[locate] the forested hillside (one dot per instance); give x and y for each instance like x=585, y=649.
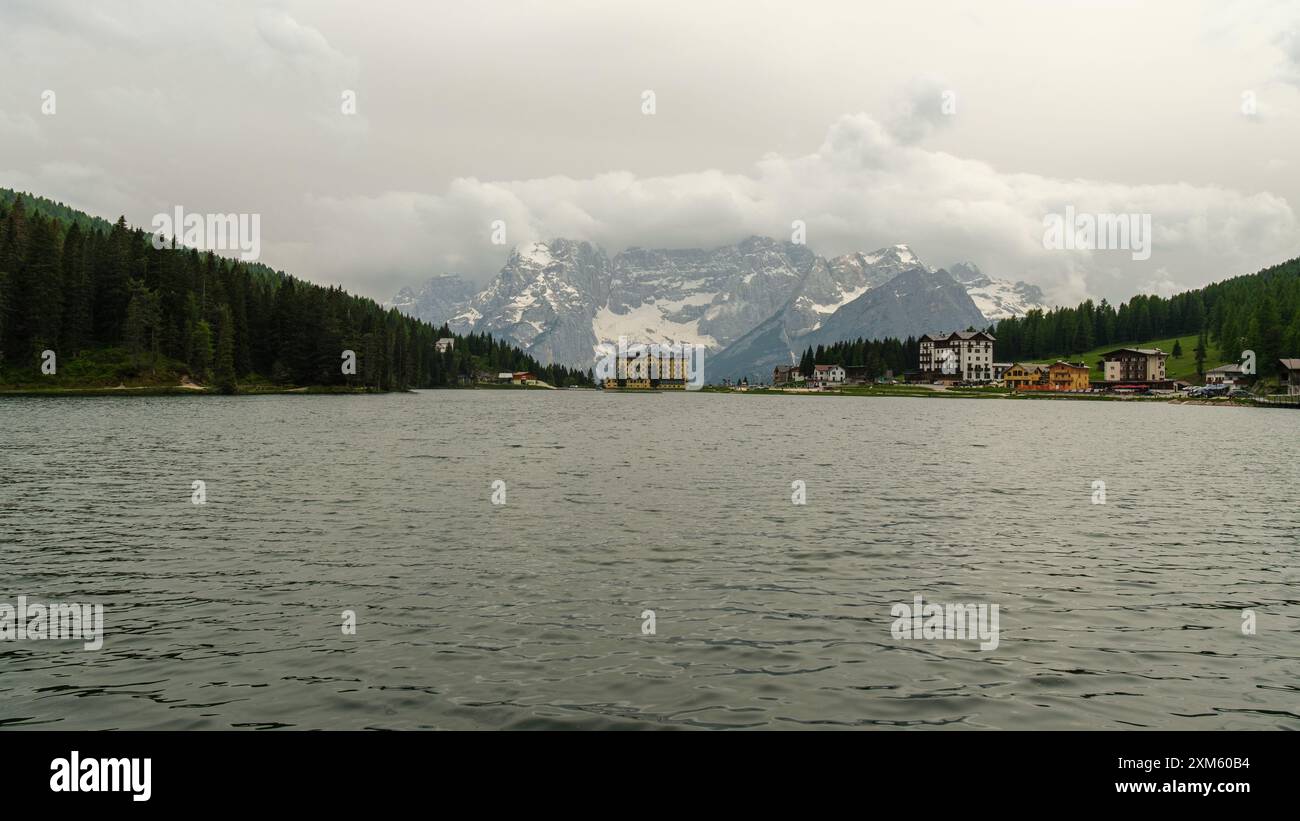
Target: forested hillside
x=93, y=291
x=1259, y=312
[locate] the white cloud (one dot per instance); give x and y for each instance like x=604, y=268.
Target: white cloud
x=862, y=188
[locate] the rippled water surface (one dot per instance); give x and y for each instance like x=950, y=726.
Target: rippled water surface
x=768, y=614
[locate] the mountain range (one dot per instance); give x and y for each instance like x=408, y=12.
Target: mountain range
x=753, y=305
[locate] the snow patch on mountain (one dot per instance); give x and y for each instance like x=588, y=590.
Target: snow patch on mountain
x=997, y=298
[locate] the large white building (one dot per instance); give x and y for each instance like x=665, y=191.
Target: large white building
x=1135, y=365
x=965, y=356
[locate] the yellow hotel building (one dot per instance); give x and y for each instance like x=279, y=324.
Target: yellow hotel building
x=644, y=372
x=1065, y=376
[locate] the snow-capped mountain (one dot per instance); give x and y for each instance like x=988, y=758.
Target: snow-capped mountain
x=559, y=299
x=544, y=300
x=707, y=297
x=997, y=298
x=843, y=279
x=918, y=300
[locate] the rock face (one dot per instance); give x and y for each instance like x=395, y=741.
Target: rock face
x=752, y=304
x=705, y=297
x=914, y=302
x=544, y=300
x=437, y=301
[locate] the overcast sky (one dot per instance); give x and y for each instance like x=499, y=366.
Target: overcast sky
x=765, y=112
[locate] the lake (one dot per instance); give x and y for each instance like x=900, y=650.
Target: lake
x=531, y=614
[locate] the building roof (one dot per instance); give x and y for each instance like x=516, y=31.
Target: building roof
x=1143, y=351
x=1029, y=366
x=824, y=367
x=1075, y=365
x=1231, y=367
x=947, y=335
x=1290, y=364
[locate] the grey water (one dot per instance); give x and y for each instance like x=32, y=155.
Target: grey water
x=531, y=613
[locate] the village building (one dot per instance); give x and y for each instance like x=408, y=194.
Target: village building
x=824, y=375
x=786, y=374
x=1068, y=376
x=1289, y=376
x=649, y=368
x=447, y=343
x=965, y=356
x=1137, y=367
x=1022, y=374
x=1000, y=368
x=855, y=374
x=1231, y=374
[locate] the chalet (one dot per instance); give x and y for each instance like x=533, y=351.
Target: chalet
x=1135, y=367
x=828, y=375
x=958, y=356
x=445, y=344
x=505, y=378
x=522, y=377
x=1231, y=374
x=1289, y=376
x=1024, y=374
x=1067, y=376
x=999, y=368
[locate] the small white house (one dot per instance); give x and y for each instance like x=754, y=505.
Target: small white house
x=828, y=375
x=447, y=343
x=1231, y=374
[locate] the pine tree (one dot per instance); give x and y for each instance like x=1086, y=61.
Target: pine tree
x=225, y=367
x=1178, y=350
x=1201, y=351
x=200, y=357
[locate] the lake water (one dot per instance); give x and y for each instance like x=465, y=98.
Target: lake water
x=528, y=614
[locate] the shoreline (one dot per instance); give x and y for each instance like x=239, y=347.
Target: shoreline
x=927, y=392
x=906, y=391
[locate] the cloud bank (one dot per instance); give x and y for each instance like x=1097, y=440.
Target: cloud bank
x=865, y=186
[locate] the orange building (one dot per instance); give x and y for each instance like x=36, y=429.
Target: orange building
x=1067, y=376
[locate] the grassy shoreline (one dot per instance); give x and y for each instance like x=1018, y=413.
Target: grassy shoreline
x=918, y=391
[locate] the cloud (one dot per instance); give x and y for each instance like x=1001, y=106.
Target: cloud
x=1289, y=44
x=864, y=187
x=927, y=104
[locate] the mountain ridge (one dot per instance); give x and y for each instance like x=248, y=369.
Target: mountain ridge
x=560, y=299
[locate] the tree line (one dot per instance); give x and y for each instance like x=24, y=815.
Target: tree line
x=1258, y=312
x=876, y=355
x=75, y=284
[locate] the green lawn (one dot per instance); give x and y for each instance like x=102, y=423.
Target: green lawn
x=1184, y=367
